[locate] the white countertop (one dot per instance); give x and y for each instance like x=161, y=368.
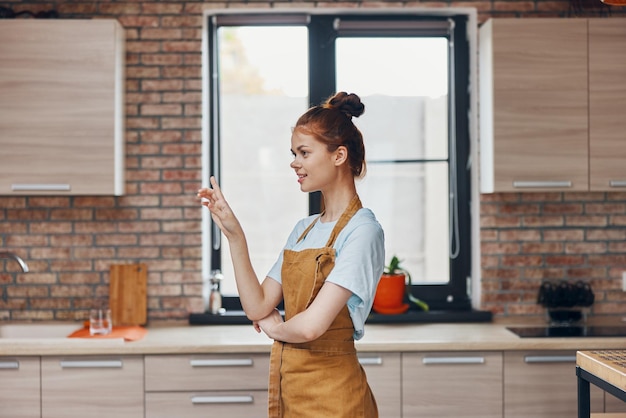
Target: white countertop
x=174, y=338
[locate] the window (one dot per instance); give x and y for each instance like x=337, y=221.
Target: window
x=412, y=73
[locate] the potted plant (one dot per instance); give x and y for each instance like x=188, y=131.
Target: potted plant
x=392, y=288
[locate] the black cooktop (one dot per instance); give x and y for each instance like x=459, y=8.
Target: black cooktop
x=569, y=331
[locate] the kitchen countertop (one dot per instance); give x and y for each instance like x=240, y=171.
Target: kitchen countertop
x=181, y=338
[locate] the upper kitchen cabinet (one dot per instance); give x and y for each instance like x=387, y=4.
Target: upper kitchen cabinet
x=533, y=105
x=551, y=92
x=61, y=107
x=607, y=98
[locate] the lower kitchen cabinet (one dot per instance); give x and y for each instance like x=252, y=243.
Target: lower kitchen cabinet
x=20, y=387
x=231, y=404
x=452, y=384
x=383, y=372
x=613, y=404
x=543, y=384
x=232, y=385
x=94, y=387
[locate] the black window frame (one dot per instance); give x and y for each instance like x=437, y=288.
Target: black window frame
x=453, y=295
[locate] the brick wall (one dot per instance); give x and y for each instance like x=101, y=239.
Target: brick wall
x=70, y=242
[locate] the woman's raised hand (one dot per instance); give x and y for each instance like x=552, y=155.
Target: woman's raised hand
x=221, y=212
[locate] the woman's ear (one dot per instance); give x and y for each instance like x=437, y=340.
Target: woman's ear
x=341, y=155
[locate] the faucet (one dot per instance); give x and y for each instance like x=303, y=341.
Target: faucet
x=9, y=255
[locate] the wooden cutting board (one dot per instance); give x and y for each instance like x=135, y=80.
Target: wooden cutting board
x=128, y=294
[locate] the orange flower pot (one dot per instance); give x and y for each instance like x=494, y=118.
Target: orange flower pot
x=390, y=291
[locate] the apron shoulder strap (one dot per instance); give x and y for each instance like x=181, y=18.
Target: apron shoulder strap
x=353, y=207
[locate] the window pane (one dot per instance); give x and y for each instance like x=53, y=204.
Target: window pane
x=403, y=84
x=263, y=90
x=405, y=81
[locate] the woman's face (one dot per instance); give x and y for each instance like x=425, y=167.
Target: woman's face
x=314, y=165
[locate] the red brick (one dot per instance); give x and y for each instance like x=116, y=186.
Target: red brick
x=542, y=247
x=564, y=260
x=116, y=239
x=563, y=234
x=161, y=109
x=138, y=21
x=160, y=33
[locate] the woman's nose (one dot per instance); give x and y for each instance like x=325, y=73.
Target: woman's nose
x=294, y=163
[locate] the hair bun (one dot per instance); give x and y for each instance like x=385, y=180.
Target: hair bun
x=349, y=104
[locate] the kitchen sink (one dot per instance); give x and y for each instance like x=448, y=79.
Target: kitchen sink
x=30, y=330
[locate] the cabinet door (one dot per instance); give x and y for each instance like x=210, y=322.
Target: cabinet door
x=207, y=372
x=234, y=404
x=383, y=375
x=61, y=107
x=463, y=384
x=94, y=387
x=20, y=387
x=543, y=384
x=533, y=105
x=607, y=93
x=613, y=405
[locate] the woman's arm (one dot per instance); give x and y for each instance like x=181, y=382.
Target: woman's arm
x=311, y=323
x=257, y=300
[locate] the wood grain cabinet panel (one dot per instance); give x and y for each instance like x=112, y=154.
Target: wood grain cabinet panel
x=206, y=372
x=384, y=371
x=231, y=404
x=230, y=385
x=20, y=387
x=94, y=387
x=453, y=384
x=62, y=107
x=543, y=384
x=533, y=105
x=607, y=101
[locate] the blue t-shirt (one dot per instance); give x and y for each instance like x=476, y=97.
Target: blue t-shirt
x=359, y=261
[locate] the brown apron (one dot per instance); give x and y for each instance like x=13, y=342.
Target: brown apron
x=320, y=378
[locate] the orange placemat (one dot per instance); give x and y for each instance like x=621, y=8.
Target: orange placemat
x=128, y=333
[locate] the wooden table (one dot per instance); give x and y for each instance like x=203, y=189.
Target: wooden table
x=605, y=369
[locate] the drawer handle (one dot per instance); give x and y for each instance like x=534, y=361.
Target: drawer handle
x=370, y=361
x=453, y=360
x=92, y=364
x=42, y=187
x=9, y=364
x=540, y=184
x=549, y=359
x=222, y=399
x=617, y=183
x=221, y=362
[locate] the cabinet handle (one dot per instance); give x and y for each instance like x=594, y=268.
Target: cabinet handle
x=40, y=187
x=9, y=364
x=221, y=362
x=540, y=184
x=222, y=399
x=617, y=183
x=453, y=360
x=549, y=359
x=370, y=361
x=93, y=364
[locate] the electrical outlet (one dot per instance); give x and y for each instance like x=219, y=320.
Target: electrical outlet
x=624, y=281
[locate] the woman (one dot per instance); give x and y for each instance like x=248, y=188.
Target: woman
x=326, y=275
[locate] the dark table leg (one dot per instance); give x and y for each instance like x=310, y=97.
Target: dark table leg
x=584, y=397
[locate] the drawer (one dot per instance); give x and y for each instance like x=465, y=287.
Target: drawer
x=235, y=404
x=207, y=372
